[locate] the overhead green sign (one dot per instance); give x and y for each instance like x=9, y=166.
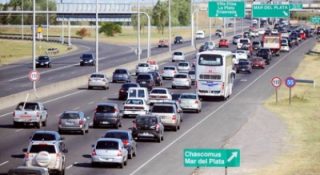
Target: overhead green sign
x=295, y=6
x=211, y=157
x=226, y=9
x=270, y=11
x=315, y=20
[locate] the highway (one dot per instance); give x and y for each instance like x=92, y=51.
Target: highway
x=14, y=78
x=218, y=121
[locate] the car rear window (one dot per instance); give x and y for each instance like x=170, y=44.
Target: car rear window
x=183, y=64
x=113, y=145
x=163, y=109
x=117, y=135
x=39, y=148
x=188, y=96
x=105, y=109
x=144, y=77
x=43, y=58
x=177, y=53
x=180, y=76
x=120, y=71
x=28, y=106
x=43, y=137
x=97, y=76
x=134, y=101
x=158, y=91
x=168, y=68
x=243, y=63
x=146, y=120
x=87, y=56
x=192, y=72
x=70, y=116
x=143, y=65
x=244, y=41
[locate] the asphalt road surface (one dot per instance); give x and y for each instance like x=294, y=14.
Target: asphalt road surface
x=218, y=121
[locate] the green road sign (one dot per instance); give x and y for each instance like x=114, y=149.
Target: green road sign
x=270, y=11
x=295, y=6
x=315, y=20
x=226, y=9
x=211, y=157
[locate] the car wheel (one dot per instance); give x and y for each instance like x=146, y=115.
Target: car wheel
x=125, y=163
x=83, y=132
x=173, y=87
x=135, y=152
x=116, y=126
x=159, y=139
x=38, y=125
x=121, y=165
x=89, y=87
x=62, y=172
x=16, y=124
x=87, y=131
x=162, y=138
x=95, y=125
x=44, y=123
x=60, y=131
x=130, y=155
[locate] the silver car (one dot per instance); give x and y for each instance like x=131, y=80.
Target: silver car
x=107, y=114
x=170, y=117
x=184, y=67
x=98, y=80
x=74, y=121
x=109, y=150
x=168, y=72
x=181, y=80
x=121, y=75
x=190, y=102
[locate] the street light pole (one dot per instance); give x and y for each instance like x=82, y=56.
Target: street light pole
x=97, y=38
x=170, y=49
x=139, y=33
x=210, y=28
x=22, y=21
x=34, y=40
x=192, y=23
x=47, y=20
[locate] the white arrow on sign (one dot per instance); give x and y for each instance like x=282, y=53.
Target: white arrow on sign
x=233, y=155
x=285, y=13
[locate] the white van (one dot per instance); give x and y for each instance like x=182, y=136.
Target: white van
x=200, y=34
x=138, y=92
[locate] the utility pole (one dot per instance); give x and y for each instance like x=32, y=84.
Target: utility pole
x=22, y=21
x=170, y=49
x=34, y=40
x=139, y=33
x=192, y=23
x=97, y=38
x=47, y=20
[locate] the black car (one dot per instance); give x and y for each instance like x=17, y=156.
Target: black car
x=146, y=80
x=256, y=45
x=87, y=59
x=157, y=77
x=123, y=91
x=43, y=61
x=178, y=40
x=265, y=54
x=244, y=65
x=148, y=126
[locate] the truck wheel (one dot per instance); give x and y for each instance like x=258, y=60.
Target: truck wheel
x=16, y=124
x=44, y=123
x=38, y=125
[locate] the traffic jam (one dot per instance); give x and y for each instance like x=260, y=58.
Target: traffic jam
x=155, y=98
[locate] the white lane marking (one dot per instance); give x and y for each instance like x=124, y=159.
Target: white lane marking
x=213, y=112
x=73, y=72
x=243, y=80
x=76, y=108
x=91, y=102
x=18, y=130
x=3, y=163
x=68, y=167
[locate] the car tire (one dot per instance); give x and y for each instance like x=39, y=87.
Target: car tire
x=121, y=165
x=125, y=163
x=16, y=124
x=94, y=164
x=60, y=132
x=95, y=125
x=83, y=132
x=159, y=139
x=38, y=125
x=44, y=123
x=89, y=87
x=87, y=131
x=162, y=137
x=130, y=155
x=175, y=128
x=173, y=87
x=62, y=172
x=135, y=152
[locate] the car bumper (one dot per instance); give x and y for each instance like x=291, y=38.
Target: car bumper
x=25, y=120
x=180, y=84
x=189, y=107
x=102, y=84
x=134, y=113
x=106, y=122
x=152, y=101
x=148, y=134
x=100, y=159
x=167, y=75
x=116, y=79
x=42, y=65
x=65, y=128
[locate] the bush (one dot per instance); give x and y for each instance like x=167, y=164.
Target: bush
x=83, y=32
x=109, y=29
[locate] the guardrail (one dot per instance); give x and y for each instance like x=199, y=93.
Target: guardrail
x=306, y=81
x=30, y=38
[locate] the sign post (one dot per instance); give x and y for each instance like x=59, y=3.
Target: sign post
x=290, y=83
x=226, y=9
x=276, y=83
x=34, y=76
x=270, y=10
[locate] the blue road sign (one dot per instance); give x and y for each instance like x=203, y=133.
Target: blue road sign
x=290, y=82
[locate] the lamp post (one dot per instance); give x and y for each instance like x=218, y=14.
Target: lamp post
x=22, y=21
x=139, y=33
x=97, y=38
x=170, y=31
x=47, y=20
x=34, y=41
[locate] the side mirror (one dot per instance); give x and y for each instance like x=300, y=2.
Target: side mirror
x=92, y=146
x=88, y=118
x=24, y=150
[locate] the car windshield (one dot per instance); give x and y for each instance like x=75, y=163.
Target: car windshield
x=243, y=63
x=180, y=76
x=143, y=65
x=43, y=58
x=240, y=51
x=105, y=109
x=163, y=109
x=143, y=77
x=158, y=91
x=117, y=135
x=87, y=56
x=183, y=64
x=244, y=41
x=177, y=53
x=168, y=68
x=192, y=72
x=210, y=60
x=146, y=120
x=120, y=71
x=135, y=101
x=43, y=137
x=39, y=148
x=188, y=96
x=256, y=43
x=113, y=145
x=97, y=76
x=70, y=116
x=28, y=106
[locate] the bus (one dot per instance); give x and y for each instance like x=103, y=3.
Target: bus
x=214, y=74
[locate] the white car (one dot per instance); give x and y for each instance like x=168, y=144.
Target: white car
x=134, y=107
x=254, y=33
x=159, y=95
x=243, y=41
x=181, y=80
x=200, y=34
x=143, y=68
x=240, y=54
x=168, y=72
x=261, y=31
x=190, y=101
x=98, y=80
x=274, y=32
x=285, y=45
x=178, y=56
x=153, y=65
x=109, y=150
x=184, y=67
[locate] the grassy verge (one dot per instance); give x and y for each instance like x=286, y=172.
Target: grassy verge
x=16, y=50
x=302, y=118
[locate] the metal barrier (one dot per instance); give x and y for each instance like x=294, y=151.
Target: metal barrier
x=306, y=81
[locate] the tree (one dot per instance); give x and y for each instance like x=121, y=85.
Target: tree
x=83, y=32
x=109, y=28
x=143, y=19
x=160, y=15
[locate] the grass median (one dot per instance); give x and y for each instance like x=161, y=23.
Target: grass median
x=302, y=117
x=12, y=51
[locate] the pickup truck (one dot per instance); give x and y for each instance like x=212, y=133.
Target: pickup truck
x=30, y=113
x=273, y=42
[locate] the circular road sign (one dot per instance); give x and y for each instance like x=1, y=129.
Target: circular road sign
x=290, y=82
x=34, y=75
x=276, y=82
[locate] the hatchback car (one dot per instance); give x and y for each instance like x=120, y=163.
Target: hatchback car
x=107, y=114
x=109, y=150
x=43, y=61
x=223, y=43
x=123, y=91
x=184, y=67
x=142, y=68
x=127, y=140
x=148, y=127
x=256, y=45
x=244, y=66
x=157, y=77
x=190, y=102
x=87, y=59
x=178, y=56
x=121, y=75
x=258, y=62
x=235, y=39
x=181, y=80
x=74, y=121
x=168, y=72
x=135, y=106
x=146, y=80
x=98, y=80
x=169, y=115
x=159, y=95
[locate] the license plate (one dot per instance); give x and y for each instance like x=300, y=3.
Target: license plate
x=105, y=122
x=143, y=82
x=69, y=123
x=25, y=116
x=243, y=69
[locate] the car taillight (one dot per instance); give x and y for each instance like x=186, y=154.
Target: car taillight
x=38, y=114
x=94, y=152
x=174, y=117
x=157, y=127
x=222, y=86
x=119, y=153
x=81, y=122
x=125, y=142
x=14, y=114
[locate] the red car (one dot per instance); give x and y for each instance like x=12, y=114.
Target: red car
x=163, y=43
x=258, y=62
x=223, y=43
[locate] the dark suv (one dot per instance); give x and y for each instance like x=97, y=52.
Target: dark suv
x=43, y=61
x=265, y=54
x=148, y=126
x=157, y=77
x=123, y=91
x=87, y=59
x=146, y=80
x=178, y=40
x=244, y=65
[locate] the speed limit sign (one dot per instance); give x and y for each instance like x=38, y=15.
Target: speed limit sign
x=276, y=82
x=34, y=75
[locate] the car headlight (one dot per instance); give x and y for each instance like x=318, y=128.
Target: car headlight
x=90, y=60
x=37, y=62
x=47, y=62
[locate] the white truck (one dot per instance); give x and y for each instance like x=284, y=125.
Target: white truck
x=273, y=42
x=30, y=113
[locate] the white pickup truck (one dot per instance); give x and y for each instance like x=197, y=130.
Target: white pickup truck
x=30, y=113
